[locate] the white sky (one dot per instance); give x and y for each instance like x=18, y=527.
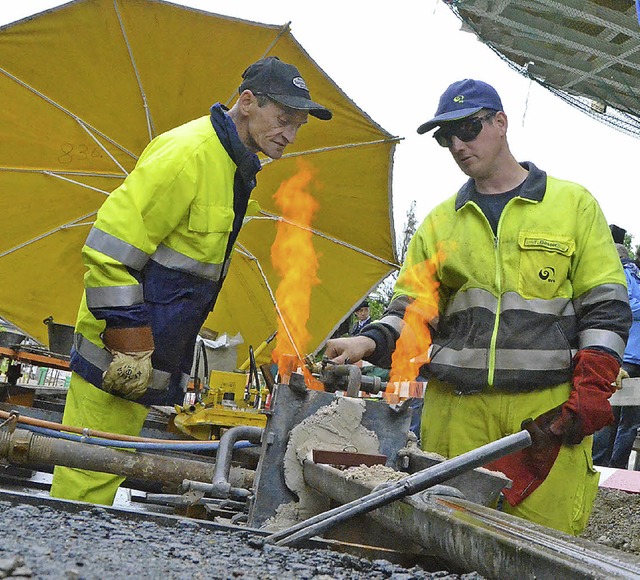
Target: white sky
x=394, y=59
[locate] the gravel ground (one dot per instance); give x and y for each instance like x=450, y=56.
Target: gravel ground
x=46, y=543
x=615, y=520
x=41, y=542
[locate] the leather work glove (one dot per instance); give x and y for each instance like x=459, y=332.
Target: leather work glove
x=622, y=374
x=587, y=410
x=528, y=468
x=129, y=373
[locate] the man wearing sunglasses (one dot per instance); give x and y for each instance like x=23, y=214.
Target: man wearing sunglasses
x=532, y=315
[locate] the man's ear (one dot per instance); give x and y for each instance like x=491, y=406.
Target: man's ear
x=246, y=100
x=501, y=121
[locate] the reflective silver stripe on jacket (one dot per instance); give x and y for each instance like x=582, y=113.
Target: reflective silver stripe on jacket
x=598, y=337
x=98, y=357
x=160, y=380
x=506, y=359
x=393, y=321
x=478, y=298
x=102, y=358
x=174, y=260
x=112, y=296
x=601, y=293
x=531, y=360
x=117, y=249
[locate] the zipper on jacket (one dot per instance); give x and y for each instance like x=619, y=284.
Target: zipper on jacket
x=496, y=321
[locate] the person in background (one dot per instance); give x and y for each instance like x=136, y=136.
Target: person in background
x=612, y=445
x=362, y=318
x=533, y=315
x=158, y=254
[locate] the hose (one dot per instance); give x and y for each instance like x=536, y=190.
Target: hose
x=141, y=445
x=25, y=420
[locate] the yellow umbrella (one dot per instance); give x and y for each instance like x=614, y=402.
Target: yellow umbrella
x=87, y=85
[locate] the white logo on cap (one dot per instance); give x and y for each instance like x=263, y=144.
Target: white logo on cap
x=299, y=82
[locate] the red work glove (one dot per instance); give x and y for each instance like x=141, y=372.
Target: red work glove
x=586, y=411
x=588, y=408
x=528, y=468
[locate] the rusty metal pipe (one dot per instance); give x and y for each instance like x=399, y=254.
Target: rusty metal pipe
x=23, y=447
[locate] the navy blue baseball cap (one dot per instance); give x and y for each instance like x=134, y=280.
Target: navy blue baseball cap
x=462, y=99
x=282, y=83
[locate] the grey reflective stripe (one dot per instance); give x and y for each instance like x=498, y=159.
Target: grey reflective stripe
x=184, y=381
x=225, y=269
x=112, y=296
x=159, y=380
x=173, y=260
x=599, y=337
x=506, y=359
x=478, y=298
x=115, y=248
x=98, y=357
x=472, y=358
x=393, y=321
x=532, y=360
x=602, y=293
x=472, y=298
x=556, y=306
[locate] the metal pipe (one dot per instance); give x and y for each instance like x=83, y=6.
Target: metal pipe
x=412, y=484
x=222, y=468
x=25, y=448
x=471, y=537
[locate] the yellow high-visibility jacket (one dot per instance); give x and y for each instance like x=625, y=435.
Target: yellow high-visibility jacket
x=160, y=247
x=514, y=308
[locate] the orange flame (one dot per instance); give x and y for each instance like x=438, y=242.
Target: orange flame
x=294, y=259
x=415, y=339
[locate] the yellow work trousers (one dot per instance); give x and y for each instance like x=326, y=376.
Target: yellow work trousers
x=88, y=406
x=453, y=424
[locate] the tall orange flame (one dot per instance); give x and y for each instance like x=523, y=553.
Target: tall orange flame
x=415, y=339
x=294, y=259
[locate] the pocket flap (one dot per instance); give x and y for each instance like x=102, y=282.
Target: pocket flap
x=210, y=218
x=564, y=245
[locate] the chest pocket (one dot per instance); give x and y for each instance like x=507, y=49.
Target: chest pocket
x=206, y=219
x=545, y=260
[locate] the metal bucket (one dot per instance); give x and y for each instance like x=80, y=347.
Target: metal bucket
x=60, y=336
x=8, y=339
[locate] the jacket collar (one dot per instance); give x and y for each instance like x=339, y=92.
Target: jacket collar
x=247, y=162
x=533, y=187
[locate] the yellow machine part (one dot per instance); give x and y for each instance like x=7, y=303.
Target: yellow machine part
x=209, y=418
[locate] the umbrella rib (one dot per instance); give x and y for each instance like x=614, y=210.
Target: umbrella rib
x=57, y=173
x=63, y=178
x=335, y=148
x=86, y=126
x=143, y=94
x=270, y=216
x=283, y=29
x=68, y=225
x=242, y=250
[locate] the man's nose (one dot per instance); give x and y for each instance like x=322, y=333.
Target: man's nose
x=290, y=133
x=456, y=144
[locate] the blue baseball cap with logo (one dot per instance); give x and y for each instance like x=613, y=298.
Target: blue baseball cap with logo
x=462, y=99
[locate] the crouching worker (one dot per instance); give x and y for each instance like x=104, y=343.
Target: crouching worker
x=157, y=256
x=532, y=315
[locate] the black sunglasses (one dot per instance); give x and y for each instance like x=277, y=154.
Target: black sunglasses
x=466, y=130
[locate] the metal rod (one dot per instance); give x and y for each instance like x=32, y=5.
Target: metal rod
x=408, y=486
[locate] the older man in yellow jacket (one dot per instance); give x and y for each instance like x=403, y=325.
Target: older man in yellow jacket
x=158, y=254
x=532, y=315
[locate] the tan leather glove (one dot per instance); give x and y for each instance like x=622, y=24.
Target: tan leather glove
x=129, y=373
x=622, y=374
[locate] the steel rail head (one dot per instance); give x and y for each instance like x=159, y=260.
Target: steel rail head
x=408, y=486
